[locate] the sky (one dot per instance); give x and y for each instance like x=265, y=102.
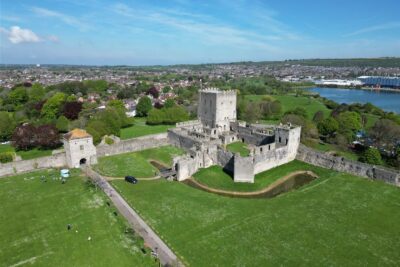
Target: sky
x=162, y=32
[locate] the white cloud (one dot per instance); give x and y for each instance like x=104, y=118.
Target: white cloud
x=69, y=20
x=375, y=28
x=18, y=35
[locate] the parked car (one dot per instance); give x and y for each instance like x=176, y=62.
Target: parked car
x=131, y=179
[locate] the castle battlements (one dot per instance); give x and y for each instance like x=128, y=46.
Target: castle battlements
x=215, y=90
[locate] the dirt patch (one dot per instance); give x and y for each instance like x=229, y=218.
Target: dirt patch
x=285, y=184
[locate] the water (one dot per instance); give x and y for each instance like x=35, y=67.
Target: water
x=388, y=101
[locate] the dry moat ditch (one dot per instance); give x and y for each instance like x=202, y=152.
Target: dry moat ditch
x=288, y=183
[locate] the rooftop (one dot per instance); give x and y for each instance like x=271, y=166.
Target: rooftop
x=76, y=134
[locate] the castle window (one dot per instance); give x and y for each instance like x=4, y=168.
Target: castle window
x=260, y=149
x=81, y=147
x=286, y=141
x=280, y=140
x=269, y=147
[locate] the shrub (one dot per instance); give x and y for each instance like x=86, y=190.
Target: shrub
x=371, y=156
x=108, y=140
x=6, y=157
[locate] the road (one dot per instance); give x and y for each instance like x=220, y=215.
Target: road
x=165, y=254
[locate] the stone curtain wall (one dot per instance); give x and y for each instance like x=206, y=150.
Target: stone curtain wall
x=341, y=164
x=134, y=144
x=54, y=161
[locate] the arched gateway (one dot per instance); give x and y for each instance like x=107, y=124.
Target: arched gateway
x=79, y=148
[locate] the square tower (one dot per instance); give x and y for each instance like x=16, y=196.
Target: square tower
x=217, y=108
x=79, y=148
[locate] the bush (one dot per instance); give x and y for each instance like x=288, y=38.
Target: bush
x=143, y=107
x=371, y=156
x=6, y=157
x=167, y=115
x=108, y=140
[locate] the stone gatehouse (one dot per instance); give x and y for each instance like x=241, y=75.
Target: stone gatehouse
x=205, y=140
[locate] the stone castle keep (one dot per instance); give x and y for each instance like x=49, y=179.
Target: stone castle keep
x=205, y=140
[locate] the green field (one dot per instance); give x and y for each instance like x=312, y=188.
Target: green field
x=136, y=163
x=34, y=216
x=336, y=220
x=140, y=128
x=238, y=147
x=215, y=177
x=29, y=154
x=290, y=102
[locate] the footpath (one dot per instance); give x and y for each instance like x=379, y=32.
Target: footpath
x=165, y=254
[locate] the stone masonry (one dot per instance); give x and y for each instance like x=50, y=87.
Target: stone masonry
x=205, y=140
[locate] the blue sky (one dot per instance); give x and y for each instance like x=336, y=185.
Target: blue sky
x=101, y=32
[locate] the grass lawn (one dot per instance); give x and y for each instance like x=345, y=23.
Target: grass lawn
x=290, y=102
x=238, y=147
x=136, y=163
x=140, y=128
x=215, y=177
x=336, y=220
x=34, y=218
x=29, y=154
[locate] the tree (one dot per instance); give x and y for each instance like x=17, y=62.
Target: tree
x=118, y=104
x=318, y=116
x=349, y=122
x=53, y=106
x=36, y=93
x=371, y=156
x=18, y=96
x=328, y=126
x=62, y=124
x=385, y=132
x=7, y=125
x=71, y=110
x=167, y=115
x=299, y=111
x=169, y=103
x=143, y=107
x=166, y=89
x=308, y=129
x=23, y=137
x=47, y=136
x=153, y=91
x=252, y=113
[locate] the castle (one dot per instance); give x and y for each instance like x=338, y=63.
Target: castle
x=205, y=140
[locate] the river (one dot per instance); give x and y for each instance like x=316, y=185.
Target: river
x=386, y=100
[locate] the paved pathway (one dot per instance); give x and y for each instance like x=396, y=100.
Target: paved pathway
x=165, y=254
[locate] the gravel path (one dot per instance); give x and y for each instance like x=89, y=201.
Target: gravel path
x=165, y=254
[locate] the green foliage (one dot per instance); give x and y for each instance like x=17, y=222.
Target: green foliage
x=53, y=106
x=169, y=103
x=108, y=140
x=6, y=157
x=349, y=122
x=62, y=124
x=308, y=129
x=299, y=111
x=166, y=89
x=143, y=107
x=371, y=156
x=7, y=125
x=36, y=92
x=118, y=104
x=18, y=96
x=386, y=133
x=318, y=116
x=98, y=86
x=167, y=115
x=328, y=126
